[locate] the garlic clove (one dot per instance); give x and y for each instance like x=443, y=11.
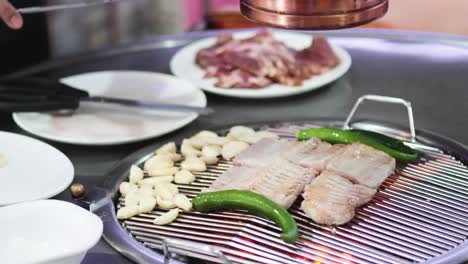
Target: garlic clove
x=205, y=134
x=211, y=151
x=158, y=162
x=127, y=212
x=165, y=204
x=172, y=188
x=147, y=190
x=209, y=160
x=136, y=174
x=133, y=198
x=163, y=171
x=167, y=148
x=240, y=132
x=187, y=149
x=167, y=217
x=233, y=148
x=183, y=202
x=163, y=191
x=147, y=204
x=156, y=180
x=184, y=177
x=193, y=164
x=126, y=187
x=174, y=156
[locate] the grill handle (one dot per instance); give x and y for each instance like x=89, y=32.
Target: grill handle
x=384, y=99
x=209, y=250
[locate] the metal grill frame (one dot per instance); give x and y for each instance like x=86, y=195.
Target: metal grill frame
x=103, y=199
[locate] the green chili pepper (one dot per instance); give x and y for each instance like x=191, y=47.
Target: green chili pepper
x=387, y=141
x=392, y=147
x=251, y=202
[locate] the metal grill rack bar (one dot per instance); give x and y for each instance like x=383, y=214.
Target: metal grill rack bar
x=419, y=213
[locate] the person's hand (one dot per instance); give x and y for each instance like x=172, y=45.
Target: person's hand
x=9, y=15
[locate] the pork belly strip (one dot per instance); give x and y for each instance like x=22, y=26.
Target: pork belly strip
x=237, y=178
x=350, y=179
x=281, y=181
x=362, y=164
x=331, y=199
x=312, y=154
x=262, y=153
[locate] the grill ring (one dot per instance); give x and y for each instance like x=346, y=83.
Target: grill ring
x=104, y=198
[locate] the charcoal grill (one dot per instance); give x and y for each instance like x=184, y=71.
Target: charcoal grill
x=419, y=215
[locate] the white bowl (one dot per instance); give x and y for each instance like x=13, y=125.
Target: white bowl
x=47, y=231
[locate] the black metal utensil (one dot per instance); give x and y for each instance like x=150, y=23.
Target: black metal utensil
x=65, y=6
x=43, y=95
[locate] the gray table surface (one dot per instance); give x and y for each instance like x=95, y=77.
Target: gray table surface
x=430, y=70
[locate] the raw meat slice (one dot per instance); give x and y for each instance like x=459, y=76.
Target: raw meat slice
x=239, y=78
x=362, y=164
x=210, y=56
x=282, y=182
x=313, y=154
x=320, y=52
x=262, y=153
x=319, y=159
x=331, y=199
x=235, y=178
x=217, y=70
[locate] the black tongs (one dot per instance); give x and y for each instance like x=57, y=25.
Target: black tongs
x=50, y=8
x=44, y=95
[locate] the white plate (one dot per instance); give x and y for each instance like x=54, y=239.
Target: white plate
x=183, y=65
x=47, y=232
x=105, y=124
x=33, y=170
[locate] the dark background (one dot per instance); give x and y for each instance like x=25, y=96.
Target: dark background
x=21, y=48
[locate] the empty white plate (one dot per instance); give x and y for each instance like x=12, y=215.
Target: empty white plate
x=183, y=65
x=31, y=169
x=99, y=124
x=47, y=232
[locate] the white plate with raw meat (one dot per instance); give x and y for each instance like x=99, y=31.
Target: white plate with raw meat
x=261, y=64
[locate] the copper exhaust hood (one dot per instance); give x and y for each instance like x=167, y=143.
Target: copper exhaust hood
x=313, y=14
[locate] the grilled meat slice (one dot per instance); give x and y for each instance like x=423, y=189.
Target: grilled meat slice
x=238, y=178
x=362, y=164
x=262, y=153
x=313, y=154
x=332, y=199
x=282, y=182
